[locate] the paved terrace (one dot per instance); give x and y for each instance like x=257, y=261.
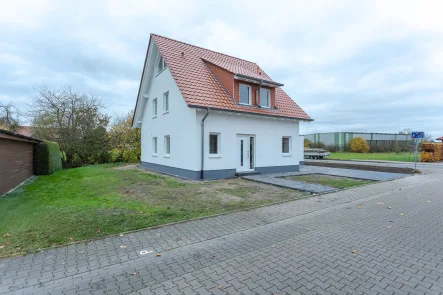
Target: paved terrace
x=279, y=179
x=346, y=242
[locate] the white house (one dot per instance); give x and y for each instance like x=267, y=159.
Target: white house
x=208, y=115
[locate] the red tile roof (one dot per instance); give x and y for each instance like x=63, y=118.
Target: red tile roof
x=200, y=88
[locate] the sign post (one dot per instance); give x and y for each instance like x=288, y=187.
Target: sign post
x=417, y=135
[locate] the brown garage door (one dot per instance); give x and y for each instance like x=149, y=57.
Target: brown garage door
x=16, y=158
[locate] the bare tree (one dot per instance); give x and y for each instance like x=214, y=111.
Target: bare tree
x=9, y=116
x=72, y=119
x=405, y=131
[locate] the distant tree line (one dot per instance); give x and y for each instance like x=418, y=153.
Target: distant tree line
x=76, y=121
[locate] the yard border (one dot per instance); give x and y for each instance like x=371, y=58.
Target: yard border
x=41, y=250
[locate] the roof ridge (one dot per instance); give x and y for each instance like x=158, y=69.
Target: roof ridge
x=205, y=49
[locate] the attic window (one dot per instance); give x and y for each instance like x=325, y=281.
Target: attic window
x=161, y=64
x=245, y=94
x=265, y=98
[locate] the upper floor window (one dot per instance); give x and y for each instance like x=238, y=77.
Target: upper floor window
x=245, y=94
x=166, y=102
x=154, y=107
x=161, y=64
x=265, y=97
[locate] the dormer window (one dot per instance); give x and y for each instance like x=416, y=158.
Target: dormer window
x=161, y=64
x=265, y=98
x=245, y=94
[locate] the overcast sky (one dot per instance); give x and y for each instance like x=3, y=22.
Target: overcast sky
x=373, y=65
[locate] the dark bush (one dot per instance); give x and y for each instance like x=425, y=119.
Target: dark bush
x=333, y=148
x=47, y=158
x=318, y=145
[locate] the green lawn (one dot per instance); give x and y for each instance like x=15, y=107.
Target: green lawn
x=405, y=157
x=94, y=201
x=333, y=181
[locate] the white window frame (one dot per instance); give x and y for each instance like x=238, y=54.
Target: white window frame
x=218, y=154
x=167, y=139
x=166, y=102
x=269, y=98
x=288, y=154
x=163, y=64
x=154, y=107
x=154, y=146
x=239, y=94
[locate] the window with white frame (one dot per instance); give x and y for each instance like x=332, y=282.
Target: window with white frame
x=166, y=102
x=265, y=97
x=154, y=107
x=286, y=145
x=161, y=64
x=154, y=146
x=214, y=144
x=167, y=145
x=245, y=94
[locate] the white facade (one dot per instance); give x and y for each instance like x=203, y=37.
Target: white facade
x=182, y=125
x=267, y=133
x=178, y=124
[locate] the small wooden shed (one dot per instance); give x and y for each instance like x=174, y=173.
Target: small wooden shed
x=16, y=159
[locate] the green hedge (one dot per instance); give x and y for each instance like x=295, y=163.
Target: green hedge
x=47, y=158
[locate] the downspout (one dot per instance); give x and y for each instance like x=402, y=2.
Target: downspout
x=203, y=143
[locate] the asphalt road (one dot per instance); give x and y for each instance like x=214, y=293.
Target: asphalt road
x=384, y=238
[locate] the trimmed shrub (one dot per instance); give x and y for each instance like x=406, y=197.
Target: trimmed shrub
x=431, y=152
x=427, y=157
x=47, y=158
x=359, y=145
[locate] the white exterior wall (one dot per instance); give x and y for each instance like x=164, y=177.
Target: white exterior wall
x=268, y=139
x=179, y=124
x=302, y=148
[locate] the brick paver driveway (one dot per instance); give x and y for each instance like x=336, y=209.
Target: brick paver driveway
x=384, y=238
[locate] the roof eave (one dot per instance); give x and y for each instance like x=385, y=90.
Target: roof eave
x=11, y=135
x=249, y=113
x=141, y=81
x=257, y=80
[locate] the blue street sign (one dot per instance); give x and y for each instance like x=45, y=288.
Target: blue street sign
x=418, y=134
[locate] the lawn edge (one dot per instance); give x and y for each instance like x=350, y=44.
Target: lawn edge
x=17, y=254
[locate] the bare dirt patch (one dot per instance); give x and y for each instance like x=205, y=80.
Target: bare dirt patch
x=128, y=167
x=178, y=194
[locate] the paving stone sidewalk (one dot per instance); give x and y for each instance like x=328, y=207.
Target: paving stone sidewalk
x=300, y=247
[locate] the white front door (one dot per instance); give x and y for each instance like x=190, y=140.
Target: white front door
x=245, y=153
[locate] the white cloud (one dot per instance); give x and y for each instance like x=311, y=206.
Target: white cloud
x=367, y=64
x=24, y=13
